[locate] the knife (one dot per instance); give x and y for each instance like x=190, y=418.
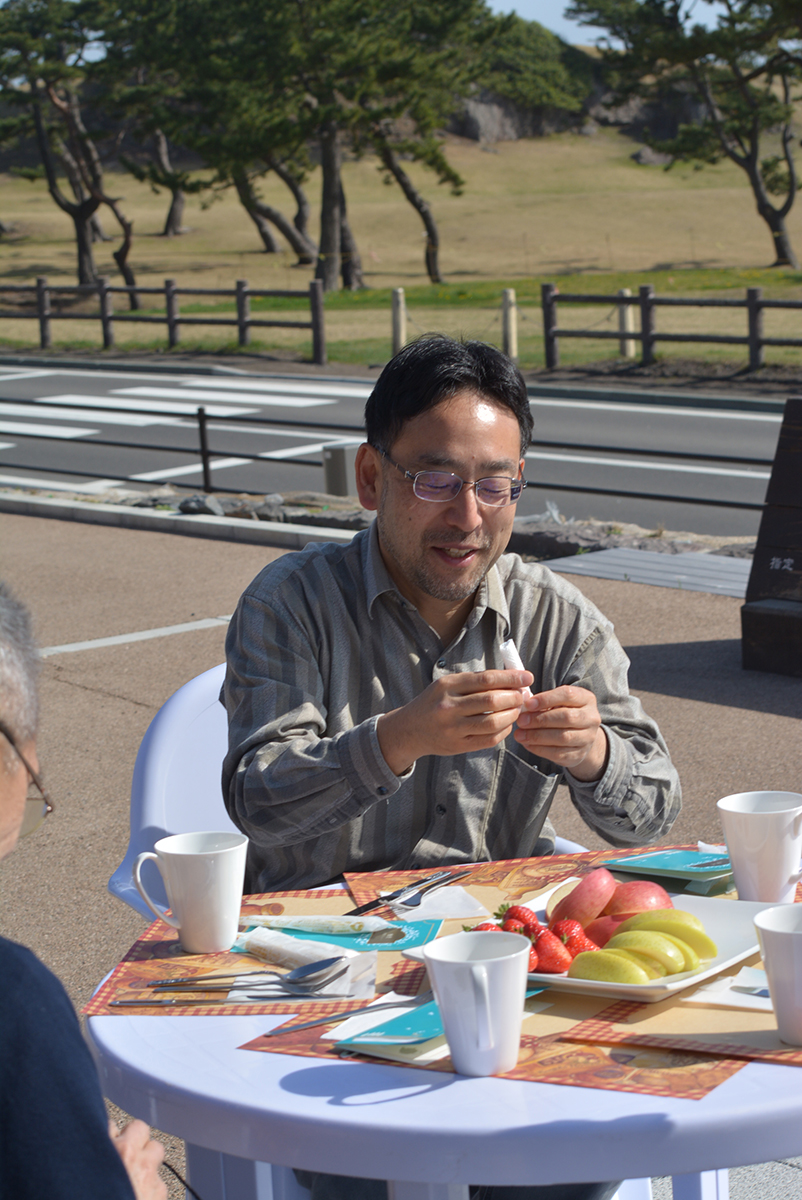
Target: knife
x=180, y=1002
x=408, y=889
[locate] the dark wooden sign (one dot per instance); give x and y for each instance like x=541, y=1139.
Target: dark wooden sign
x=771, y=619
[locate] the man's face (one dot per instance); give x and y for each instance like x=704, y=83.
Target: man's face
x=443, y=551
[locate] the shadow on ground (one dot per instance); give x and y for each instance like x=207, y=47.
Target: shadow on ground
x=711, y=673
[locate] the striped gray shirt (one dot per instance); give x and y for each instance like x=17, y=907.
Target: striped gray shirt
x=322, y=643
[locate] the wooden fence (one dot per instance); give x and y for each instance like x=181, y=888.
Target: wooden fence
x=172, y=318
x=648, y=336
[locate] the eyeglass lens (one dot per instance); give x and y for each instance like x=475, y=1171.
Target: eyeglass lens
x=439, y=486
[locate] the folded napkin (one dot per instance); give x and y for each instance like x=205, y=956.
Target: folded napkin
x=358, y=983
x=748, y=989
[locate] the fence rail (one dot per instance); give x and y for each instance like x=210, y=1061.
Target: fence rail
x=648, y=336
x=333, y=468
x=242, y=295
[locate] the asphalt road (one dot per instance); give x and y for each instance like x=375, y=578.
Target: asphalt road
x=51, y=428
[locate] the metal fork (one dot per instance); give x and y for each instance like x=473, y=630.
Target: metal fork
x=412, y=1002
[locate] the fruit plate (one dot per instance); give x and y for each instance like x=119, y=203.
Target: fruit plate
x=728, y=922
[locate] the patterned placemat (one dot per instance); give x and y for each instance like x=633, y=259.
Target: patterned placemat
x=157, y=954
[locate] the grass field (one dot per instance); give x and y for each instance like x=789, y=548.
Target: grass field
x=572, y=209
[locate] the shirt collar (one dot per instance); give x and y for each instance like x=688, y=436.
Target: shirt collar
x=490, y=593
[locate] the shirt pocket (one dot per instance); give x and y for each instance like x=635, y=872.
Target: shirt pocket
x=518, y=804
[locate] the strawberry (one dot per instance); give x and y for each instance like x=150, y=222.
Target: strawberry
x=554, y=958
x=487, y=925
x=533, y=959
x=516, y=912
x=513, y=925
x=573, y=936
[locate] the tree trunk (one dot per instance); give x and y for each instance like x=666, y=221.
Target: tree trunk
x=121, y=258
x=783, y=250
x=351, y=264
x=328, y=259
x=392, y=164
x=173, y=226
x=82, y=220
x=303, y=212
x=248, y=202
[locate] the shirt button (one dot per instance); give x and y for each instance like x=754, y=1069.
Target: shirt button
x=382, y=791
x=441, y=662
x=441, y=810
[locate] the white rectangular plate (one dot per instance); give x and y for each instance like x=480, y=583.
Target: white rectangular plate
x=728, y=922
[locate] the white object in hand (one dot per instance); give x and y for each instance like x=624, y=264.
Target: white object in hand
x=764, y=841
x=203, y=876
x=779, y=932
x=480, y=986
x=513, y=661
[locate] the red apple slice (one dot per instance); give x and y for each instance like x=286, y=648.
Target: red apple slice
x=587, y=899
x=637, y=895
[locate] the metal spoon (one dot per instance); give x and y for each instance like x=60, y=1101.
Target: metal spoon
x=306, y=973
x=306, y=987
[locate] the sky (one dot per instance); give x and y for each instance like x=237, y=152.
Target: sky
x=550, y=14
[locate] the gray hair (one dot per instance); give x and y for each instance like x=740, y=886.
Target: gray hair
x=19, y=668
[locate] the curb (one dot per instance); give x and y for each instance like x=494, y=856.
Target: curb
x=226, y=529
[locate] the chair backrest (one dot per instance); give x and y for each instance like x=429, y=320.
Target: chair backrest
x=176, y=786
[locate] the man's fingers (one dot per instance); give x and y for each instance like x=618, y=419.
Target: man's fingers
x=467, y=683
x=567, y=696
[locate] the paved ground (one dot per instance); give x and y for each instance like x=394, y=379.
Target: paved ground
x=729, y=730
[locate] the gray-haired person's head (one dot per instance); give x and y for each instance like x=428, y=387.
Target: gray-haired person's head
x=19, y=668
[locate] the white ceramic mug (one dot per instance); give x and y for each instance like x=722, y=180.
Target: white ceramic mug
x=779, y=932
x=203, y=876
x=479, y=981
x=763, y=831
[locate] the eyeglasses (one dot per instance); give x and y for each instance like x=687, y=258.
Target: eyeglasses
x=438, y=487
x=36, y=807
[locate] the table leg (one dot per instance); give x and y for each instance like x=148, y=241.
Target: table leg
x=217, y=1176
x=706, y=1185
x=398, y=1189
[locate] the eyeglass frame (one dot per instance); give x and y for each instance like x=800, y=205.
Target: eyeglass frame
x=36, y=778
x=474, y=483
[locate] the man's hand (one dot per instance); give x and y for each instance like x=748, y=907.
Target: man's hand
x=564, y=727
x=473, y=710
x=142, y=1156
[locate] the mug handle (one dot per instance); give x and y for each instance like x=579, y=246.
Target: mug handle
x=481, y=992
x=140, y=887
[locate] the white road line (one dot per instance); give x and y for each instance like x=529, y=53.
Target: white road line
x=194, y=468
x=146, y=406
x=79, y=414
x=310, y=448
x=45, y=430
x=7, y=445
x=231, y=397
x=143, y=635
x=638, y=465
x=268, y=431
x=21, y=375
x=284, y=385
x=716, y=414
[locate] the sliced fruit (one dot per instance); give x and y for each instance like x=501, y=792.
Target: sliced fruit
x=653, y=968
x=663, y=921
x=691, y=957
x=587, y=899
x=637, y=895
x=603, y=965
x=602, y=929
x=677, y=916
x=654, y=945
x=559, y=894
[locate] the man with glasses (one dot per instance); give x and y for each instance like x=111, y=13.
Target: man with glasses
x=372, y=720
x=55, y=1140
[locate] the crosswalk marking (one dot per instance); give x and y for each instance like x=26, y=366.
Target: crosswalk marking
x=50, y=431
x=193, y=469
x=193, y=393
x=48, y=412
x=303, y=387
x=145, y=406
x=640, y=465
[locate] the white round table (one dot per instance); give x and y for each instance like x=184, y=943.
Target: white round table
x=429, y=1133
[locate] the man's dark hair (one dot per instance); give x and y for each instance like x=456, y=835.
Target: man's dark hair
x=435, y=368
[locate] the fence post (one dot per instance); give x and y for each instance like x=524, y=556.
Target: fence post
x=509, y=323
x=43, y=310
x=754, y=310
x=243, y=312
x=106, y=311
x=204, y=450
x=318, y=324
x=548, y=298
x=646, y=293
x=626, y=325
x=171, y=304
x=399, y=320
